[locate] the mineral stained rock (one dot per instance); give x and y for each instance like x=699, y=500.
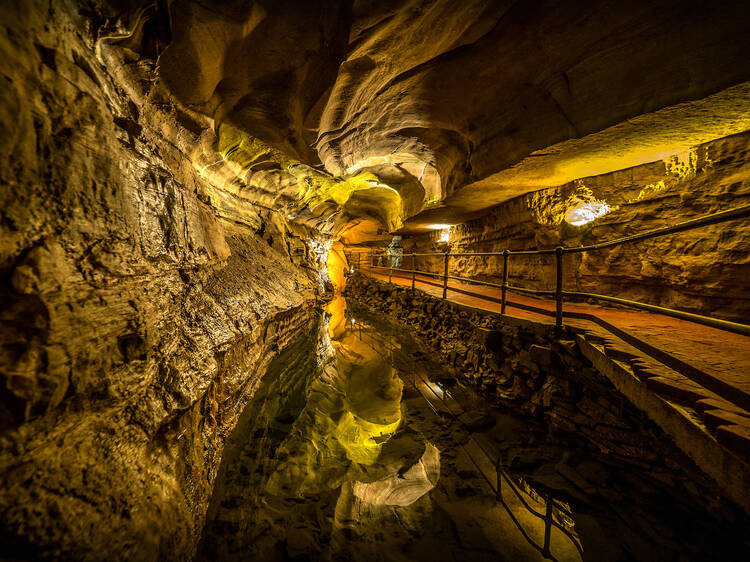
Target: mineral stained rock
x=699, y=270
x=172, y=175
x=441, y=100
x=137, y=312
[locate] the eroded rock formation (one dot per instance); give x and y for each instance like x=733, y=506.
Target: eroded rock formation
x=138, y=313
x=172, y=174
x=452, y=108
x=699, y=270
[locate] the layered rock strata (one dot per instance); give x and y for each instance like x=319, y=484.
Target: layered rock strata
x=698, y=271
x=139, y=307
x=433, y=96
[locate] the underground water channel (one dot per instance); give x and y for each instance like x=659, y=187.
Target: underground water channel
x=360, y=445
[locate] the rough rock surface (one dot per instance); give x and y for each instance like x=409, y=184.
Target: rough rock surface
x=136, y=316
x=171, y=174
x=432, y=95
x=699, y=271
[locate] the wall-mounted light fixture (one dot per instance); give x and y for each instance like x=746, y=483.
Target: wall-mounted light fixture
x=445, y=231
x=586, y=211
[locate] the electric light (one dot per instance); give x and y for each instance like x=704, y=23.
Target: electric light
x=445, y=229
x=586, y=211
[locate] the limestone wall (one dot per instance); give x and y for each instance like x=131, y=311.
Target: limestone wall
x=702, y=271
x=137, y=312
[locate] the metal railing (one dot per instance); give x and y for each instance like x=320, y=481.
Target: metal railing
x=559, y=293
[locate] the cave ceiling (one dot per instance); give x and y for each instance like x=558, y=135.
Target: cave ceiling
x=379, y=115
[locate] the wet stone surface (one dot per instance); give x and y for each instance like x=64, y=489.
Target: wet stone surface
x=364, y=445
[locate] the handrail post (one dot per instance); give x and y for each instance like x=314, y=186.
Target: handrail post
x=506, y=255
x=559, y=291
x=445, y=274
x=413, y=267
x=547, y=528
x=390, y=267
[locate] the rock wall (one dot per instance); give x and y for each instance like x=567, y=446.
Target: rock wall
x=439, y=100
x=701, y=271
x=139, y=306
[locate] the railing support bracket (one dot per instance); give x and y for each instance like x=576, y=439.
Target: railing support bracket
x=506, y=255
x=445, y=274
x=559, y=291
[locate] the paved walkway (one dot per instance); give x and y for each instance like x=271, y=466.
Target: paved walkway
x=704, y=368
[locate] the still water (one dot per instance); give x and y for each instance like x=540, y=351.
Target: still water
x=357, y=447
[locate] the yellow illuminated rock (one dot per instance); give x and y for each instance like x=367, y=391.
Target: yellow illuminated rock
x=174, y=173
x=336, y=265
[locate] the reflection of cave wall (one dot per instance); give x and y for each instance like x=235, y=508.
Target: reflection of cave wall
x=135, y=318
x=153, y=260
x=258, y=437
x=702, y=270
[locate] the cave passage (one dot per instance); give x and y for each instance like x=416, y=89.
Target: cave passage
x=344, y=280
x=360, y=446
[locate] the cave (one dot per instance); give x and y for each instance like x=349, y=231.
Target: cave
x=372, y=280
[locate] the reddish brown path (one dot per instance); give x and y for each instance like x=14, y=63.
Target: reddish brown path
x=702, y=367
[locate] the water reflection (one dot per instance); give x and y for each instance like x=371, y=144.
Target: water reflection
x=342, y=457
x=353, y=449
x=352, y=409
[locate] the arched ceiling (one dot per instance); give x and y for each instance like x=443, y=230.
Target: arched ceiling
x=383, y=114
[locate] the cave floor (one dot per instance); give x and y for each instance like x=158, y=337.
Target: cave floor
x=379, y=454
x=697, y=366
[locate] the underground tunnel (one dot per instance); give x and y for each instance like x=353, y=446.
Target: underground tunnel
x=374, y=280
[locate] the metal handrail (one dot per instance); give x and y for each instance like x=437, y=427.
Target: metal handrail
x=706, y=220
x=559, y=294
x=697, y=318
x=475, y=281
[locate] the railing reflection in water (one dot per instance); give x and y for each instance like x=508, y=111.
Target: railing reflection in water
x=556, y=513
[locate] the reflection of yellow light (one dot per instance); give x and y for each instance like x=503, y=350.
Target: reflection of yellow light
x=439, y=226
x=403, y=487
x=337, y=321
x=362, y=440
